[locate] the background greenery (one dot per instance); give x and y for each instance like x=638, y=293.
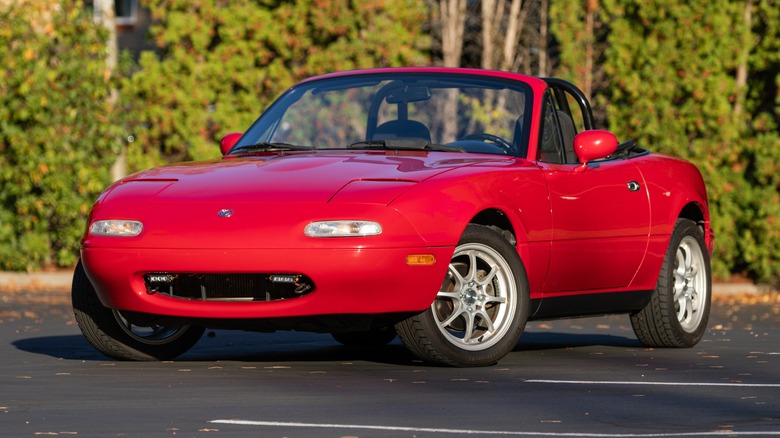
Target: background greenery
x=696, y=79
x=57, y=131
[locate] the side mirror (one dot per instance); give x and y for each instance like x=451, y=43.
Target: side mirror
x=594, y=144
x=227, y=142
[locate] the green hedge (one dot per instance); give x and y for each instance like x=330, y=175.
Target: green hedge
x=221, y=63
x=669, y=78
x=57, y=131
x=666, y=75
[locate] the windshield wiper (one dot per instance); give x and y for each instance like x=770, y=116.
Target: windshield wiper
x=404, y=145
x=270, y=147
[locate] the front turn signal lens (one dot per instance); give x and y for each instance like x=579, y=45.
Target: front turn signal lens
x=342, y=228
x=116, y=227
x=420, y=259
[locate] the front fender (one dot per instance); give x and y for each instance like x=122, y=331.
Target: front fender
x=440, y=208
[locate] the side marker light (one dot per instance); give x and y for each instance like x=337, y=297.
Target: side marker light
x=420, y=259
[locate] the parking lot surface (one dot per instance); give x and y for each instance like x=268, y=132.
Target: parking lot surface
x=573, y=378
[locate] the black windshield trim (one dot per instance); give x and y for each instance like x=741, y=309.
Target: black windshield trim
x=269, y=147
x=404, y=145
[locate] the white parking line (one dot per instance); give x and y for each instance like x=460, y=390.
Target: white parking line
x=490, y=432
x=627, y=383
x=713, y=433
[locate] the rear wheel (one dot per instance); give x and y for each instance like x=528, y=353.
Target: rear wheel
x=679, y=309
x=481, y=309
x=126, y=335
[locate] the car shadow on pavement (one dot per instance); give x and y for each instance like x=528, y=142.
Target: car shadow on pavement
x=388, y=355
x=303, y=347
x=69, y=347
x=240, y=348
x=534, y=341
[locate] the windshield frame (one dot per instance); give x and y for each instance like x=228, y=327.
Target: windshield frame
x=268, y=121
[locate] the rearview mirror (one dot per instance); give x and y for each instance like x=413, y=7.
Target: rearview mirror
x=227, y=142
x=408, y=94
x=594, y=144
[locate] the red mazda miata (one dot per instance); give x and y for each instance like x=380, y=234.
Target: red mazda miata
x=445, y=206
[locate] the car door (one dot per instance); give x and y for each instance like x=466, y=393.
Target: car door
x=600, y=213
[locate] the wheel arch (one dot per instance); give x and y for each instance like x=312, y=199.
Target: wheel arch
x=692, y=211
x=697, y=213
x=497, y=220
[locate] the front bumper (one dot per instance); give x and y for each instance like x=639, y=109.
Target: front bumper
x=347, y=281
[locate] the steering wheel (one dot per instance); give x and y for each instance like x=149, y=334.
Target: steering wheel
x=484, y=136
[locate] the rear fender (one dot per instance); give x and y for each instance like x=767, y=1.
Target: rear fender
x=676, y=189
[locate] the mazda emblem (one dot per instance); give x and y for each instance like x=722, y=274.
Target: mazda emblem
x=225, y=212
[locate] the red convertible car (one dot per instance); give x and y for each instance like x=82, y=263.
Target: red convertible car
x=445, y=206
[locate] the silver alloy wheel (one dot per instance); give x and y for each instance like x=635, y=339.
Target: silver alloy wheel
x=476, y=304
x=690, y=284
x=150, y=335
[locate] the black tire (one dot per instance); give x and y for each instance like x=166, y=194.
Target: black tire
x=679, y=320
x=479, y=314
x=112, y=333
x=369, y=338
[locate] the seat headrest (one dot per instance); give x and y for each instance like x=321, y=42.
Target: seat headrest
x=401, y=130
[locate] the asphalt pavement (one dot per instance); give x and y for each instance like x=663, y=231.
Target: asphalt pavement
x=566, y=379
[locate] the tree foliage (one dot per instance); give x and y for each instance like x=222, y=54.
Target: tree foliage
x=56, y=130
x=672, y=80
x=220, y=63
x=696, y=79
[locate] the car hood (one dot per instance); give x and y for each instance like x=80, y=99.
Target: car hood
x=293, y=177
x=268, y=200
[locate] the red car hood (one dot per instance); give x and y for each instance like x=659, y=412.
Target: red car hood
x=295, y=177
x=273, y=198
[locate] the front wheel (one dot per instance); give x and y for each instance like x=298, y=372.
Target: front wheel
x=126, y=335
x=679, y=308
x=481, y=308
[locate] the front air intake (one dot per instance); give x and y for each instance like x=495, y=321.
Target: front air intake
x=228, y=287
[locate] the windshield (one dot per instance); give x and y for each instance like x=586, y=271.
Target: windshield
x=425, y=110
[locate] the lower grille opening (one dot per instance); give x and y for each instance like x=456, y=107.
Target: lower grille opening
x=229, y=287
